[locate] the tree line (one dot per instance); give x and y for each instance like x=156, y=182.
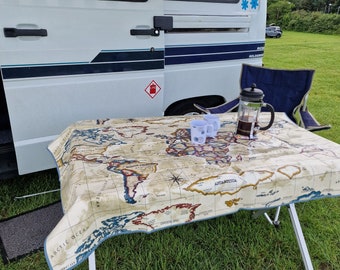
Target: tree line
x=315, y=16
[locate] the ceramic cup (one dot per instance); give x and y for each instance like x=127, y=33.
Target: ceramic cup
x=198, y=131
x=213, y=120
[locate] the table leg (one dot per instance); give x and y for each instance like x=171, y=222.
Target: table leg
x=299, y=237
x=92, y=261
x=275, y=221
x=297, y=229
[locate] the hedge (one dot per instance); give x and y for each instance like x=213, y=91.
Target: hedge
x=312, y=22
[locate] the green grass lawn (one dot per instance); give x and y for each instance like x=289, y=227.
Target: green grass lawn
x=233, y=242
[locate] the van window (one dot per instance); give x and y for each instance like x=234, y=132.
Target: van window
x=126, y=0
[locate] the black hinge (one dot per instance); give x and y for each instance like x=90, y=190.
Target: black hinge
x=164, y=23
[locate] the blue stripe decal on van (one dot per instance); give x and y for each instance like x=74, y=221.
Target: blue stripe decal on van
x=114, y=56
x=198, y=54
x=78, y=69
x=122, y=61
x=217, y=48
x=104, y=62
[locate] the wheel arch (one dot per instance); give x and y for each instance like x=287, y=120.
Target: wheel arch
x=186, y=106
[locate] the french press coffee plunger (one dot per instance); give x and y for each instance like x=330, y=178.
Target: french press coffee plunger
x=251, y=102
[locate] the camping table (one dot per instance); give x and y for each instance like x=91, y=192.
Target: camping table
x=121, y=176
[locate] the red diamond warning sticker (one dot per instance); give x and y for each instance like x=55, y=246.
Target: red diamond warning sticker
x=152, y=89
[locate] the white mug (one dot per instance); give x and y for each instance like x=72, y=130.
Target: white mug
x=213, y=120
x=198, y=131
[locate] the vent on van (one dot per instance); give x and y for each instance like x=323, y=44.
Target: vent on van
x=208, y=23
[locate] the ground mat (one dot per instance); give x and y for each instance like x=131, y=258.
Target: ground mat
x=26, y=233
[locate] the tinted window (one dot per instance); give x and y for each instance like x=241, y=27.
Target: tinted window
x=212, y=1
x=126, y=0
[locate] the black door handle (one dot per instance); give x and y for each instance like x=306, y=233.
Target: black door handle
x=15, y=32
x=144, y=32
x=159, y=23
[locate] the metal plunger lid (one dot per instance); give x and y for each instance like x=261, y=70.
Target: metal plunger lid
x=252, y=94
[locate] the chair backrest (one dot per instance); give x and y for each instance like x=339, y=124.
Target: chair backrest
x=283, y=89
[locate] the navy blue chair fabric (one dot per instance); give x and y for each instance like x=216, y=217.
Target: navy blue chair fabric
x=285, y=90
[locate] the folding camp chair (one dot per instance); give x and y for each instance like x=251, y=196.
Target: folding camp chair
x=286, y=90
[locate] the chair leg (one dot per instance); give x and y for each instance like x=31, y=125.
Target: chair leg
x=299, y=237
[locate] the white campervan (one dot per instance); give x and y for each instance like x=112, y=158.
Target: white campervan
x=67, y=60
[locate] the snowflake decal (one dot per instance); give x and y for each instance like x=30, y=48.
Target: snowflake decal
x=254, y=4
x=245, y=4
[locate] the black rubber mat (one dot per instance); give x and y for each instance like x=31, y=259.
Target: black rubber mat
x=24, y=234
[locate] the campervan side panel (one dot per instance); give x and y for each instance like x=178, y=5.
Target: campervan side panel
x=88, y=66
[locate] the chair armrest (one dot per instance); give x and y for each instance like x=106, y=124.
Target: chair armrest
x=309, y=122
x=223, y=108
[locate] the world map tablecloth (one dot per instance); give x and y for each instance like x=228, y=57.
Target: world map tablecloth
x=122, y=176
